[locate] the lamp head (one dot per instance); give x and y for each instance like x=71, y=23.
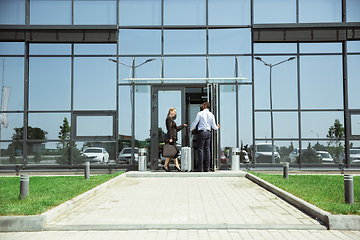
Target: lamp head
x=258, y=58
x=292, y=58
x=149, y=60
x=113, y=60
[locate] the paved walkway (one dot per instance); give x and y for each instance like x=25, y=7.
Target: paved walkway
x=184, y=208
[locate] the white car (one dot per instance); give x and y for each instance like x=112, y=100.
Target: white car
x=263, y=153
x=96, y=154
x=354, y=155
x=295, y=154
x=325, y=156
x=125, y=155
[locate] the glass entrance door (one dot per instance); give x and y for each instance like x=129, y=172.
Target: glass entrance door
x=213, y=99
x=162, y=99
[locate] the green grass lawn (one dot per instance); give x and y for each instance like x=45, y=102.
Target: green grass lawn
x=323, y=191
x=44, y=192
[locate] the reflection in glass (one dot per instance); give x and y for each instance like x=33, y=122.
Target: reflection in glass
x=49, y=49
x=11, y=48
x=48, y=122
x=355, y=124
x=317, y=124
x=185, y=12
x=94, y=126
x=94, y=49
x=282, y=11
x=353, y=47
x=262, y=125
x=125, y=113
x=184, y=41
x=49, y=83
x=229, y=12
x=13, y=77
x=97, y=152
x=318, y=152
x=15, y=120
x=352, y=10
x=12, y=12
x=186, y=67
x=320, y=47
x=140, y=41
x=227, y=116
x=95, y=12
x=260, y=48
x=140, y=12
x=353, y=81
x=11, y=152
x=321, y=82
x=285, y=124
x=320, y=11
x=94, y=84
x=245, y=114
x=234, y=41
x=50, y=12
x=142, y=116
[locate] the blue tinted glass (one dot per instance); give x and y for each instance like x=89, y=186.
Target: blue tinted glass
x=275, y=48
x=184, y=41
x=320, y=11
x=12, y=12
x=184, y=12
x=352, y=10
x=353, y=46
x=50, y=12
x=95, y=12
x=50, y=49
x=229, y=12
x=140, y=41
x=275, y=11
x=232, y=41
x=320, y=47
x=11, y=48
x=95, y=49
x=140, y=12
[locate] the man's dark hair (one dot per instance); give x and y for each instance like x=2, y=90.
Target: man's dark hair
x=206, y=105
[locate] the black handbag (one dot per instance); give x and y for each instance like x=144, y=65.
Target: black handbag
x=169, y=151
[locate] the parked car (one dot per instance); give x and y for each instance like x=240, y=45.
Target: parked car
x=263, y=153
x=294, y=155
x=125, y=155
x=96, y=154
x=325, y=156
x=354, y=155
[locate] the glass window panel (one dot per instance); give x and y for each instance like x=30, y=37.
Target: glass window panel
x=48, y=122
x=95, y=49
x=225, y=67
x=260, y=48
x=140, y=12
x=49, y=83
x=317, y=124
x=125, y=116
x=286, y=125
x=94, y=126
x=50, y=49
x=320, y=47
x=184, y=12
x=278, y=11
x=261, y=86
x=355, y=124
x=232, y=41
x=285, y=148
x=186, y=67
x=12, y=70
x=321, y=82
x=184, y=41
x=11, y=48
x=50, y=12
x=262, y=125
x=316, y=152
x=94, y=84
x=142, y=116
x=353, y=46
x=352, y=11
x=229, y=12
x=320, y=11
x=245, y=114
x=147, y=70
x=12, y=12
x=353, y=81
x=11, y=153
x=140, y=41
x=15, y=120
x=227, y=116
x=95, y=12
x=79, y=148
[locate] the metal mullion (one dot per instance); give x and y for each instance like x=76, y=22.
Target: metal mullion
x=26, y=102
x=72, y=120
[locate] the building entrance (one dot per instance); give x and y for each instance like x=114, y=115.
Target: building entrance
x=187, y=101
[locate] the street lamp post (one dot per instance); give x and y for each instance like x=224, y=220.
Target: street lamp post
x=133, y=67
x=271, y=108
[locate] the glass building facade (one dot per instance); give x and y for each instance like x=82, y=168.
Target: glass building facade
x=81, y=73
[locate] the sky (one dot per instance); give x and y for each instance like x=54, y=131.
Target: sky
x=95, y=77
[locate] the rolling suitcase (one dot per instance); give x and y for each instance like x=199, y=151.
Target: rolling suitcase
x=187, y=159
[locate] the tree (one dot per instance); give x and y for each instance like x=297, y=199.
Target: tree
x=336, y=133
x=64, y=146
x=310, y=156
x=33, y=133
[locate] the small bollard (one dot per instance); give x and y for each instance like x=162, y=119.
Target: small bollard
x=286, y=170
x=87, y=170
x=142, y=159
x=349, y=188
x=24, y=186
x=235, y=159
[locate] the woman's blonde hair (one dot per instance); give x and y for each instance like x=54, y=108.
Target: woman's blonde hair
x=170, y=110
